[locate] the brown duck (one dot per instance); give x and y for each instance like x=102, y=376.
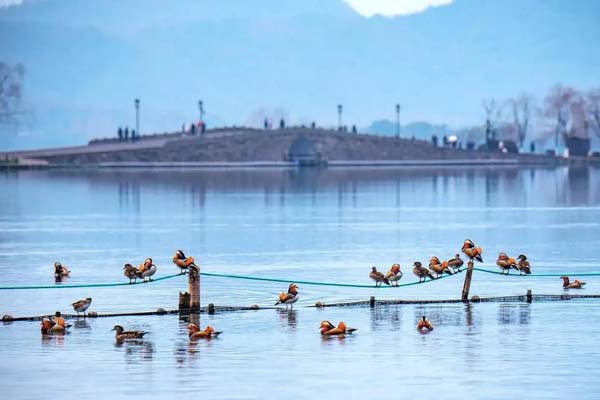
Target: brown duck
x=576, y=284
x=455, y=263
x=122, y=334
x=421, y=272
x=506, y=263
x=378, y=277
x=472, y=251
x=394, y=274
x=131, y=272
x=523, y=264
x=438, y=267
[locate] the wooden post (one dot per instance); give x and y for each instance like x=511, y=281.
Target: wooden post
x=211, y=308
x=184, y=301
x=529, y=296
x=372, y=302
x=467, y=285
x=194, y=288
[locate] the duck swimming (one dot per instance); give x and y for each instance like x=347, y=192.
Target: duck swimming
x=394, y=274
x=194, y=332
x=183, y=262
x=424, y=324
x=327, y=329
x=60, y=270
x=439, y=267
x=576, y=284
x=131, y=272
x=147, y=269
x=82, y=306
x=290, y=297
x=472, y=251
x=455, y=263
x=378, y=277
x=506, y=263
x=523, y=264
x=122, y=334
x=421, y=272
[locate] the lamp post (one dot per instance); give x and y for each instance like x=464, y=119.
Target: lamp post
x=397, y=120
x=339, y=109
x=137, y=116
x=201, y=110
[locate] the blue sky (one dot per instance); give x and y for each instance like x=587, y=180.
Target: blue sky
x=87, y=61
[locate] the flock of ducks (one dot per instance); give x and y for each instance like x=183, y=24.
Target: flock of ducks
x=437, y=269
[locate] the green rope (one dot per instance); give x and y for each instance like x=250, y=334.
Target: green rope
x=88, y=285
x=257, y=278
x=489, y=271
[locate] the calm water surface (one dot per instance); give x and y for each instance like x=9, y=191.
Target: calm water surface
x=326, y=225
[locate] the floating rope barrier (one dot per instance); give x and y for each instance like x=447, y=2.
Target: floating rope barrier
x=489, y=271
x=86, y=285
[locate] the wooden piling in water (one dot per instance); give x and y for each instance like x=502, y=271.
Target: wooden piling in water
x=467, y=285
x=372, y=302
x=211, y=308
x=529, y=296
x=194, y=288
x=184, y=301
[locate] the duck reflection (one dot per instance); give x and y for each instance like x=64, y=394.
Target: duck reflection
x=136, y=350
x=81, y=324
x=289, y=316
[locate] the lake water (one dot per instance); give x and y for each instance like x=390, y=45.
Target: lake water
x=327, y=225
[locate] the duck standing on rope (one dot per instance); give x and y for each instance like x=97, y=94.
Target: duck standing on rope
x=131, y=272
x=506, y=263
x=439, y=267
x=60, y=271
x=194, y=332
x=378, y=277
x=82, y=306
x=183, y=262
x=421, y=272
x=290, y=297
x=455, y=263
x=523, y=264
x=147, y=269
x=327, y=329
x=472, y=251
x=576, y=284
x=394, y=274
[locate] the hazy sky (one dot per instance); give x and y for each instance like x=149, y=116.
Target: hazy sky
x=87, y=60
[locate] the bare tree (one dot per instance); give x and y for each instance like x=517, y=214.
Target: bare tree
x=593, y=109
x=493, y=113
x=557, y=106
x=11, y=91
x=521, y=108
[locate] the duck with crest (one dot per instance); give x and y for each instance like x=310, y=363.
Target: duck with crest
x=506, y=263
x=394, y=274
x=439, y=267
x=472, y=251
x=328, y=329
x=147, y=269
x=290, y=297
x=194, y=332
x=184, y=263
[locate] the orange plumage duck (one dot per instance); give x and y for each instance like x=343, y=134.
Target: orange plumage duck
x=523, y=264
x=506, y=263
x=424, y=325
x=290, y=297
x=183, y=262
x=194, y=332
x=60, y=270
x=394, y=274
x=439, y=267
x=472, y=251
x=328, y=329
